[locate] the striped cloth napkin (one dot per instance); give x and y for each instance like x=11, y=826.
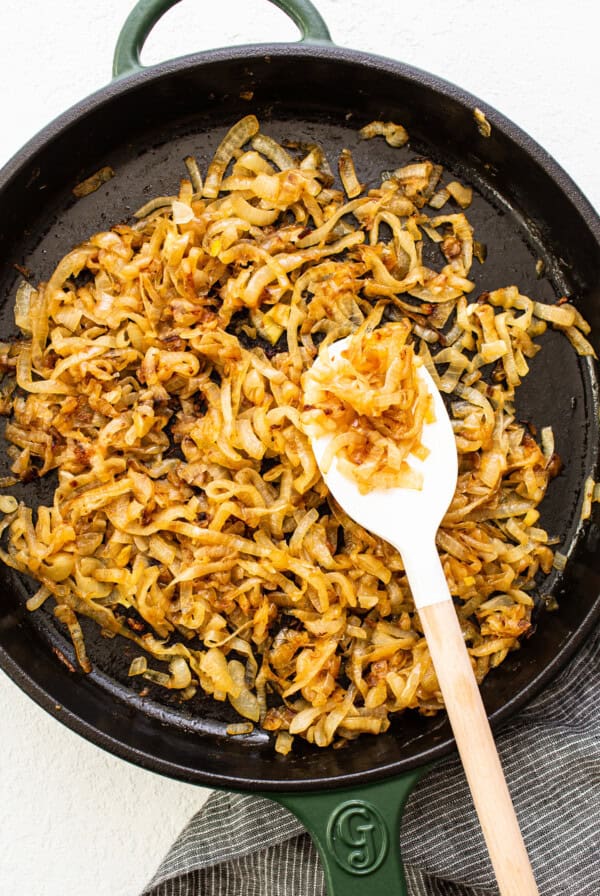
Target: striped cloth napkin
x=241, y=844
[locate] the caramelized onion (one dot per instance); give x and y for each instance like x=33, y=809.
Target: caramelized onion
x=168, y=390
x=374, y=403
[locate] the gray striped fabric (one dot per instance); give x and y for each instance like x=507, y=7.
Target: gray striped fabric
x=241, y=844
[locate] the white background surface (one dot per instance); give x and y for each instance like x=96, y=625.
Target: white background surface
x=74, y=819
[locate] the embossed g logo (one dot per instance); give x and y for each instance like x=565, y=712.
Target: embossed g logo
x=358, y=837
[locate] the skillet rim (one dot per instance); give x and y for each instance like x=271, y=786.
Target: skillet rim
x=125, y=83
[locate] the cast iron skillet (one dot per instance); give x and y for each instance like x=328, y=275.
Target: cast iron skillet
x=526, y=208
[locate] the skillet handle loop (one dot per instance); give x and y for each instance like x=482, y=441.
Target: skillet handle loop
x=357, y=833
x=146, y=13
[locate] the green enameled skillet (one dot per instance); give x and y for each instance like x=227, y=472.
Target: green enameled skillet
x=526, y=208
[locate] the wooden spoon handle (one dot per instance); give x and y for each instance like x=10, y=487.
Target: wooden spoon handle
x=477, y=750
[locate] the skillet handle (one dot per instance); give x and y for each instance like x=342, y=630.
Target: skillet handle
x=146, y=13
x=357, y=834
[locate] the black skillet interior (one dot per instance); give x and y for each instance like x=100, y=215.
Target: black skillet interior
x=525, y=209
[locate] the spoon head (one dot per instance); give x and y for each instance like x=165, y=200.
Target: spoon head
x=401, y=516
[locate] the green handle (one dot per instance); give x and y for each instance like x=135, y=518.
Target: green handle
x=146, y=13
x=357, y=834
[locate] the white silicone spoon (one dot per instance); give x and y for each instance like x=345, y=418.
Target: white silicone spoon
x=409, y=519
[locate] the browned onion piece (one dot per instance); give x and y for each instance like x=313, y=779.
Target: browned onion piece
x=394, y=134
x=272, y=151
x=235, y=138
x=348, y=174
